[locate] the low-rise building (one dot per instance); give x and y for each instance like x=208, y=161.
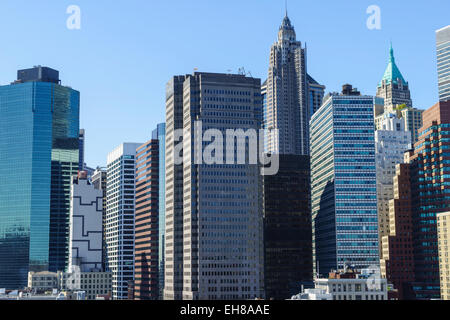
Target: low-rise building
x=366, y=284
x=93, y=283
x=313, y=294
x=49, y=296
x=40, y=282
x=353, y=285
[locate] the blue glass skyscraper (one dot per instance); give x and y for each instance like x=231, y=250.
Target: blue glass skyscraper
x=39, y=124
x=343, y=178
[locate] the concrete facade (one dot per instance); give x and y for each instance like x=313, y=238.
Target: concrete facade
x=292, y=95
x=392, y=141
x=120, y=215
x=443, y=223
x=86, y=225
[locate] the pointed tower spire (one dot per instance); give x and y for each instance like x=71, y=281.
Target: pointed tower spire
x=392, y=73
x=286, y=24
x=391, y=54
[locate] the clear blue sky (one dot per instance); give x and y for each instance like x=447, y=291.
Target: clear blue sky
x=126, y=51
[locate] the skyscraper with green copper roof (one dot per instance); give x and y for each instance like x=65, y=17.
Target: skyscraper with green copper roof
x=393, y=87
x=392, y=73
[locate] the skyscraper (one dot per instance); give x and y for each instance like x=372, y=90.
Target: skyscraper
x=99, y=182
x=430, y=171
x=397, y=258
x=393, y=88
x=343, y=182
x=160, y=134
x=120, y=215
x=287, y=228
x=86, y=229
x=39, y=118
x=81, y=137
x=146, y=265
x=392, y=141
x=265, y=116
x=422, y=195
x=413, y=121
x=316, y=92
x=173, y=269
x=214, y=227
x=443, y=60
x=292, y=95
x=395, y=92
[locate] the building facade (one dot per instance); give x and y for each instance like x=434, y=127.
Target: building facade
x=173, y=269
x=213, y=210
x=99, y=182
x=41, y=282
x=86, y=225
x=430, y=179
x=443, y=224
x=397, y=257
x=411, y=117
x=391, y=142
x=316, y=93
x=94, y=284
x=343, y=182
x=413, y=121
x=287, y=228
x=443, y=60
x=313, y=295
x=39, y=118
x=82, y=138
x=354, y=286
x=291, y=95
x=120, y=215
x=146, y=271
x=160, y=134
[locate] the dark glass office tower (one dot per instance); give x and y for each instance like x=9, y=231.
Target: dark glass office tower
x=81, y=138
x=288, y=228
x=160, y=134
x=214, y=247
x=39, y=126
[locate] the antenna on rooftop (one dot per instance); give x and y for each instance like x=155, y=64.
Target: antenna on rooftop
x=243, y=72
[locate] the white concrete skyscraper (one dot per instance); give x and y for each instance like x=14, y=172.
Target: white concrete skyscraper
x=120, y=211
x=391, y=141
x=86, y=225
x=289, y=91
